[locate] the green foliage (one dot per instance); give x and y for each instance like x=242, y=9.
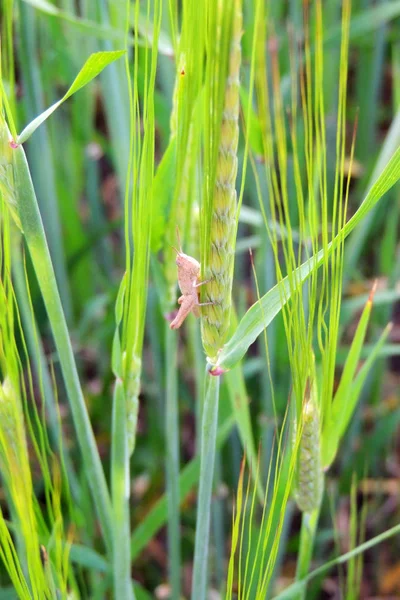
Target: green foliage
x=92, y=67
x=235, y=125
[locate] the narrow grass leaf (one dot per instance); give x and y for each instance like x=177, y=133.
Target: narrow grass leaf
x=83, y=25
x=333, y=429
x=359, y=380
x=357, y=240
x=241, y=410
x=88, y=558
x=36, y=242
x=260, y=315
x=293, y=590
x=163, y=186
x=92, y=67
x=367, y=21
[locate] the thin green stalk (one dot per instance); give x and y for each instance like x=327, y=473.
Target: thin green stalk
x=172, y=459
x=157, y=516
x=198, y=356
x=120, y=497
x=218, y=536
x=309, y=524
x=207, y=459
x=36, y=240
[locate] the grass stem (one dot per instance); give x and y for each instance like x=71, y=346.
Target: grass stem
x=172, y=459
x=120, y=497
x=309, y=524
x=207, y=460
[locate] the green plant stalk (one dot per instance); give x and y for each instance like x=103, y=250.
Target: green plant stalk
x=120, y=497
x=198, y=356
x=157, y=516
x=207, y=460
x=309, y=524
x=172, y=459
x=217, y=507
x=36, y=240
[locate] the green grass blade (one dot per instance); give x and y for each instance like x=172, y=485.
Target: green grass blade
x=357, y=240
x=293, y=590
x=88, y=558
x=241, y=410
x=207, y=460
x=41, y=159
x=260, y=315
x=36, y=241
x=368, y=20
x=83, y=25
x=344, y=401
x=36, y=351
x=92, y=67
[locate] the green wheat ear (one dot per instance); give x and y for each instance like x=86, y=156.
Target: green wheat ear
x=309, y=476
x=216, y=318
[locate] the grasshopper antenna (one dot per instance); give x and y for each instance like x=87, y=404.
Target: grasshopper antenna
x=173, y=248
x=179, y=239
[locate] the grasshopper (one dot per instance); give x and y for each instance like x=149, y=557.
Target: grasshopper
x=188, y=280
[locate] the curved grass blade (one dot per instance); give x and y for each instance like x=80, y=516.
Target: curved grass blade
x=262, y=313
x=84, y=25
x=367, y=21
x=357, y=241
x=36, y=241
x=299, y=586
x=92, y=67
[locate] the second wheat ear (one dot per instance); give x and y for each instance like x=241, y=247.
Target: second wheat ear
x=188, y=280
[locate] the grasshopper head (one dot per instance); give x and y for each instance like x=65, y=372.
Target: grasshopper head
x=187, y=264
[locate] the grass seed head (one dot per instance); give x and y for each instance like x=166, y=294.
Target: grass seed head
x=216, y=317
x=309, y=484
